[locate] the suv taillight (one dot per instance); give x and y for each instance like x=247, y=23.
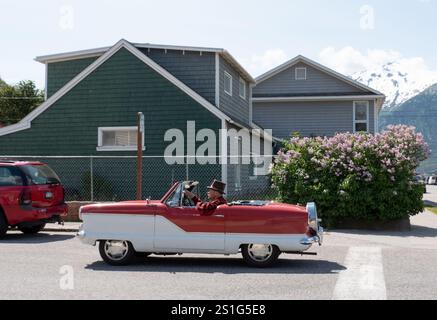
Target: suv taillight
x=26, y=197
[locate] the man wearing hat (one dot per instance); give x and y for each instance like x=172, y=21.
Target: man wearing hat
x=215, y=196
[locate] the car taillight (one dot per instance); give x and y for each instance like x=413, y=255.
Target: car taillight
x=26, y=197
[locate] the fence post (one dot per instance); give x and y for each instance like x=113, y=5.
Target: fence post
x=92, y=178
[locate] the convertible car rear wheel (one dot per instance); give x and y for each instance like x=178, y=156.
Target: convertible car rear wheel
x=260, y=255
x=116, y=252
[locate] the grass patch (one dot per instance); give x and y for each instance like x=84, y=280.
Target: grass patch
x=432, y=209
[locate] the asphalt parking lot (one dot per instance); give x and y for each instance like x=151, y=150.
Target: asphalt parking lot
x=349, y=265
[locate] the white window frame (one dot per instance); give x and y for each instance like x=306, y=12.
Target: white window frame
x=100, y=146
x=361, y=121
x=242, y=82
x=295, y=73
x=227, y=75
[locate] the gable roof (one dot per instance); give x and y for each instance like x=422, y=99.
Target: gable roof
x=99, y=51
x=25, y=123
x=318, y=66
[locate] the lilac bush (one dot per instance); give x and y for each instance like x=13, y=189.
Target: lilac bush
x=358, y=175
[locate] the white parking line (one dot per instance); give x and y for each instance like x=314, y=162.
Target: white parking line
x=363, y=278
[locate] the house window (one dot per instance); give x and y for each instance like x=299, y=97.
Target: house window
x=228, y=83
x=361, y=116
x=118, y=139
x=242, y=89
x=300, y=73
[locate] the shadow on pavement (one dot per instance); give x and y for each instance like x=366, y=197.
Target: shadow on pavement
x=19, y=238
x=221, y=265
x=416, y=231
x=430, y=203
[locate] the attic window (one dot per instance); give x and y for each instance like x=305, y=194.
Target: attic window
x=242, y=89
x=117, y=139
x=301, y=73
x=228, y=83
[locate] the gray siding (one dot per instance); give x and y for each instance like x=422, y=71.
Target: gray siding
x=196, y=70
x=318, y=118
x=317, y=82
x=235, y=106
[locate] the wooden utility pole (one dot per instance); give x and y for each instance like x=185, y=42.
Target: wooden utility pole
x=140, y=131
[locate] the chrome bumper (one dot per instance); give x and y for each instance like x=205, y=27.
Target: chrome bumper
x=81, y=234
x=308, y=241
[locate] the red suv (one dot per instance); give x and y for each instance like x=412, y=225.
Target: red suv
x=31, y=195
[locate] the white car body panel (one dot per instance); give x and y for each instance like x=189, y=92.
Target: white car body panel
x=155, y=233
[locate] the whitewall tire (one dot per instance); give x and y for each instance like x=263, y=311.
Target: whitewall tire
x=117, y=252
x=260, y=255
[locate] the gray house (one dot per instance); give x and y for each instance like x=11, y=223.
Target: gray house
x=304, y=96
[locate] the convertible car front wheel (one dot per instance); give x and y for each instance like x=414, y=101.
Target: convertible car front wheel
x=260, y=255
x=116, y=252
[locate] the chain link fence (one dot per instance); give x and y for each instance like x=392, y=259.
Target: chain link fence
x=114, y=178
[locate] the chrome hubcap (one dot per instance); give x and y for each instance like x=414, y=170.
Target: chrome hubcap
x=260, y=252
x=116, y=250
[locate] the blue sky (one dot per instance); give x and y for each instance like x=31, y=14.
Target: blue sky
x=347, y=35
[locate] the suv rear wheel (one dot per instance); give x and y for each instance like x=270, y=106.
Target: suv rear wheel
x=32, y=229
x=3, y=225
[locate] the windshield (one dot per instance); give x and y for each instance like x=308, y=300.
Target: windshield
x=40, y=174
x=176, y=197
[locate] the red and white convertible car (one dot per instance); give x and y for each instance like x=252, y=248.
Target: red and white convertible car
x=260, y=230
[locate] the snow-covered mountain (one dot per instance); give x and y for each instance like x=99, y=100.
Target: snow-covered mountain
x=397, y=83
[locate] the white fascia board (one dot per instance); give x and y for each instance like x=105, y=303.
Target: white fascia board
x=172, y=47
x=238, y=66
x=80, y=54
x=217, y=80
x=318, y=66
x=72, y=55
x=25, y=123
x=314, y=98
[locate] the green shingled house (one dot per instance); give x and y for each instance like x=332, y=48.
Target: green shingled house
x=92, y=100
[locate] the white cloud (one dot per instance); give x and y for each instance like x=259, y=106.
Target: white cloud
x=349, y=60
x=259, y=64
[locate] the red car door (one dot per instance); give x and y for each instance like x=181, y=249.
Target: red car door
x=186, y=228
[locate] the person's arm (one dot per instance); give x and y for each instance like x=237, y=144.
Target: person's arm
x=191, y=196
x=208, y=206
x=196, y=200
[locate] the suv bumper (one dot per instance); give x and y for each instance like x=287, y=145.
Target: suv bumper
x=47, y=215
